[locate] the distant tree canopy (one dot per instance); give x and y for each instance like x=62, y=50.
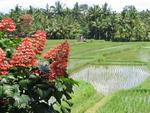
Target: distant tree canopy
x=92, y=22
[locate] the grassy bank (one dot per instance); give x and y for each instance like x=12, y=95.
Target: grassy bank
x=84, y=97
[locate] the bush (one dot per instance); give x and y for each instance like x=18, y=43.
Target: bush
x=32, y=82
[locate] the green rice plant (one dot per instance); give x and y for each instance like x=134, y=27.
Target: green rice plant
x=129, y=101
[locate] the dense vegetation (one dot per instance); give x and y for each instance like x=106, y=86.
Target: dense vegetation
x=32, y=82
x=82, y=20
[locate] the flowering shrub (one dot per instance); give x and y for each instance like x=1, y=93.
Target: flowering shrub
x=24, y=55
x=7, y=24
x=39, y=40
x=30, y=83
x=7, y=43
x=58, y=57
x=4, y=66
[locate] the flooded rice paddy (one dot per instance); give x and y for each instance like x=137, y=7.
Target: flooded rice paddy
x=110, y=78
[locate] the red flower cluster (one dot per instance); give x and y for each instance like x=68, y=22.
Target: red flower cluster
x=4, y=66
x=59, y=56
x=60, y=52
x=52, y=53
x=38, y=42
x=7, y=24
x=24, y=55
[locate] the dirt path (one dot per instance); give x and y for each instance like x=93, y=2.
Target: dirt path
x=98, y=105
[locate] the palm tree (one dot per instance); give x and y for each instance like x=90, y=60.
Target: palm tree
x=57, y=9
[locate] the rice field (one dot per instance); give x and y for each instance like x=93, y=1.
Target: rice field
x=117, y=71
x=108, y=79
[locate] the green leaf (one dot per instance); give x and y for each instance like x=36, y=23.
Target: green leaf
x=41, y=108
x=11, y=77
x=1, y=91
x=44, y=94
x=21, y=101
x=24, y=83
x=69, y=80
x=69, y=103
x=60, y=86
x=4, y=80
x=33, y=77
x=67, y=96
x=11, y=90
x=58, y=95
x=65, y=109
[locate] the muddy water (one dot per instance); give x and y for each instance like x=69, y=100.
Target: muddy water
x=108, y=79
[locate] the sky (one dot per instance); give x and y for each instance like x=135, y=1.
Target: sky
x=117, y=5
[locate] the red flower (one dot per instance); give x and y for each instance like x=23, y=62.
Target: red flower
x=57, y=69
x=4, y=66
x=59, y=53
x=1, y=27
x=59, y=56
x=38, y=42
x=52, y=53
x=7, y=24
x=24, y=55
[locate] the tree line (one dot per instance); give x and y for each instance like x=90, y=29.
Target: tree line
x=91, y=22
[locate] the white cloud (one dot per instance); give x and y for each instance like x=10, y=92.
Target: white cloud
x=6, y=5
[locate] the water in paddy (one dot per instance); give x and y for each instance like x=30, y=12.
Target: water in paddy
x=108, y=79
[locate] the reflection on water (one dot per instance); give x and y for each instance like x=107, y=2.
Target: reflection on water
x=107, y=79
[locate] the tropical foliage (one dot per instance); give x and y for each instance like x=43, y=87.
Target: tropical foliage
x=96, y=22
x=32, y=82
